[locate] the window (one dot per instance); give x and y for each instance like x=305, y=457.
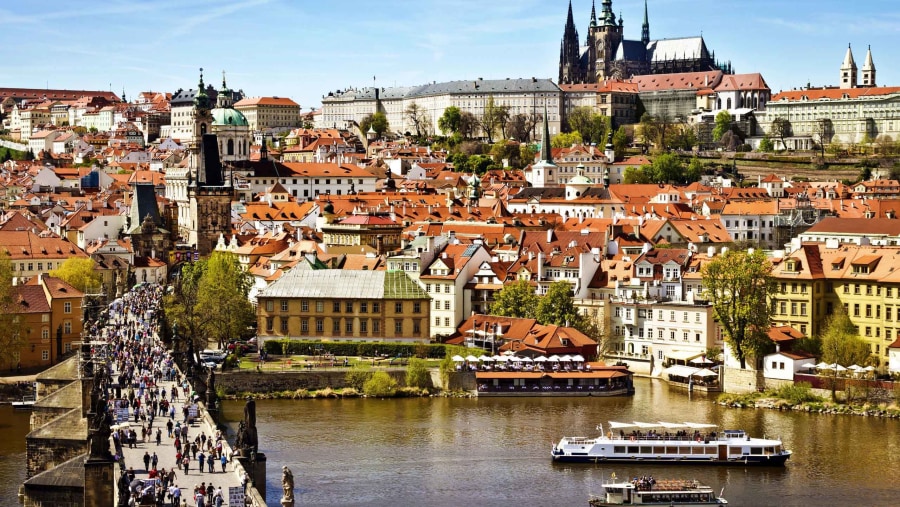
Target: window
x=45, y=355
x=398, y=307
x=446, y=289
x=304, y=325
x=67, y=307
x=335, y=326
x=348, y=306
x=437, y=321
x=398, y=326
x=427, y=287
x=363, y=307
x=67, y=327
x=803, y=309
x=270, y=324
x=363, y=326
x=284, y=305
x=284, y=324
x=348, y=326
x=447, y=304
x=447, y=321
x=320, y=306
x=376, y=326
x=869, y=311
x=304, y=305
x=376, y=307
x=320, y=325
x=270, y=305
x=417, y=307
x=417, y=327
x=336, y=307
x=888, y=313
x=856, y=310
x=437, y=304
x=793, y=308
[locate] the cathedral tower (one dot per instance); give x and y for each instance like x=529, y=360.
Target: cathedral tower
x=645, y=28
x=605, y=42
x=868, y=70
x=848, y=70
x=569, y=53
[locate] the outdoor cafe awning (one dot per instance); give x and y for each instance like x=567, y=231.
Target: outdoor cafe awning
x=683, y=355
x=680, y=370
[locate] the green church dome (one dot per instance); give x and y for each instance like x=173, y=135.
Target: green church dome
x=228, y=116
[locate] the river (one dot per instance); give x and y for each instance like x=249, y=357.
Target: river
x=496, y=451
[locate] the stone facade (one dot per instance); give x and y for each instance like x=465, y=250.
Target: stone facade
x=743, y=381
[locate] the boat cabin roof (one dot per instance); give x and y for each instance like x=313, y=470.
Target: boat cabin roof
x=613, y=425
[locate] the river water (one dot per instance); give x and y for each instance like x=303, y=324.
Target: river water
x=496, y=452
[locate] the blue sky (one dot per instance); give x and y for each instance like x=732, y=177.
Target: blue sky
x=302, y=49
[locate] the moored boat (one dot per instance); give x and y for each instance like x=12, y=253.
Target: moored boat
x=671, y=443
x=647, y=491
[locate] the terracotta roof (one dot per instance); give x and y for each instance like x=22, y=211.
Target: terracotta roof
x=678, y=81
x=835, y=93
x=265, y=101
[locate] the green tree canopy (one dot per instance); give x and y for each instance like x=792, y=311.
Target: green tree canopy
x=515, y=299
x=377, y=121
x=223, y=294
x=591, y=125
x=493, y=119
x=557, y=307
x=380, y=385
x=765, y=144
x=449, y=121
x=565, y=139
x=416, y=373
x=620, y=142
x=667, y=168
x=738, y=284
x=79, y=272
x=841, y=342
x=723, y=124
x=638, y=175
x=12, y=328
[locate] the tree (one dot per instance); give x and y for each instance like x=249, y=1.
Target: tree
x=592, y=126
x=222, y=294
x=380, y=385
x=467, y=124
x=493, y=117
x=449, y=121
x=723, y=124
x=377, y=121
x=418, y=117
x=79, y=272
x=181, y=309
x=515, y=299
x=557, y=307
x=638, y=175
x=12, y=328
x=656, y=129
x=823, y=130
x=667, y=168
x=694, y=171
x=765, y=145
x=527, y=153
x=780, y=129
x=620, y=142
x=841, y=342
x=565, y=139
x=416, y=373
x=737, y=284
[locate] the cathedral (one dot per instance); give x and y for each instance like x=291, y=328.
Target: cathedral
x=606, y=54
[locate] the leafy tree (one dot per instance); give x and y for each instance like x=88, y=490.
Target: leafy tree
x=667, y=168
x=592, y=126
x=557, y=306
x=565, y=139
x=620, y=142
x=656, y=129
x=841, y=342
x=380, y=385
x=222, y=293
x=418, y=117
x=780, y=129
x=765, y=145
x=510, y=151
x=521, y=126
x=449, y=121
x=417, y=373
x=823, y=129
x=357, y=376
x=493, y=118
x=694, y=171
x=684, y=138
x=638, y=175
x=79, y=272
x=737, y=284
x=377, y=121
x=12, y=328
x=723, y=124
x=467, y=125
x=515, y=299
x=181, y=308
x=527, y=153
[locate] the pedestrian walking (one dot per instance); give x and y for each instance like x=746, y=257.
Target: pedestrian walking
x=223, y=460
x=202, y=460
x=146, y=461
x=186, y=463
x=158, y=436
x=211, y=463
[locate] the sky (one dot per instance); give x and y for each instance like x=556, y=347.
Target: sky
x=303, y=49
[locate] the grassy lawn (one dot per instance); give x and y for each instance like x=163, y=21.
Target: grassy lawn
x=303, y=362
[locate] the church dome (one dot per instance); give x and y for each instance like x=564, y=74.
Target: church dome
x=229, y=117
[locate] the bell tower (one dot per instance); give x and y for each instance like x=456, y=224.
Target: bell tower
x=848, y=70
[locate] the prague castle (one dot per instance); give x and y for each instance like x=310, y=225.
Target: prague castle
x=606, y=54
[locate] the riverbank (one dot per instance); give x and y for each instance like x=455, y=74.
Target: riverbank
x=809, y=403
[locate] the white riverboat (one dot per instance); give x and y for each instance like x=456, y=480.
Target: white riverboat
x=647, y=491
x=671, y=443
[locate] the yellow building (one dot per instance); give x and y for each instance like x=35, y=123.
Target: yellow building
x=51, y=311
x=344, y=305
x=264, y=113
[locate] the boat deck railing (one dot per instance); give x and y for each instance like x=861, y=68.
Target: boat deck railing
x=671, y=437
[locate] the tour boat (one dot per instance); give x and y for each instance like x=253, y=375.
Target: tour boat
x=647, y=491
x=671, y=443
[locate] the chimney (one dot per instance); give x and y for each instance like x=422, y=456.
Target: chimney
x=549, y=235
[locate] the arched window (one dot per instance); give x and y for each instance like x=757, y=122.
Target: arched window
x=729, y=103
x=230, y=150
x=719, y=104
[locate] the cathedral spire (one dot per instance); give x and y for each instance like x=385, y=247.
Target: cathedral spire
x=609, y=19
x=593, y=12
x=848, y=70
x=645, y=28
x=570, y=21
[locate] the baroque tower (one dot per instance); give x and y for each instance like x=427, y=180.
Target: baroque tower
x=868, y=70
x=848, y=70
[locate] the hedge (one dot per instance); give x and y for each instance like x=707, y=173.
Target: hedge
x=308, y=347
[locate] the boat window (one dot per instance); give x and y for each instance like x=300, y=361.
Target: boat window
x=711, y=450
x=684, y=450
x=646, y=449
x=671, y=449
x=659, y=450
x=619, y=449
x=697, y=449
x=734, y=450
x=756, y=450
x=633, y=449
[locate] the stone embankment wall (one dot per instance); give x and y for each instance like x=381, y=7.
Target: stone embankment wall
x=255, y=382
x=743, y=381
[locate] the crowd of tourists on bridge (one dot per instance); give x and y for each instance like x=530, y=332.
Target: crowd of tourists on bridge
x=146, y=391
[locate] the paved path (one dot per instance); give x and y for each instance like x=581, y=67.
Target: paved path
x=165, y=451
